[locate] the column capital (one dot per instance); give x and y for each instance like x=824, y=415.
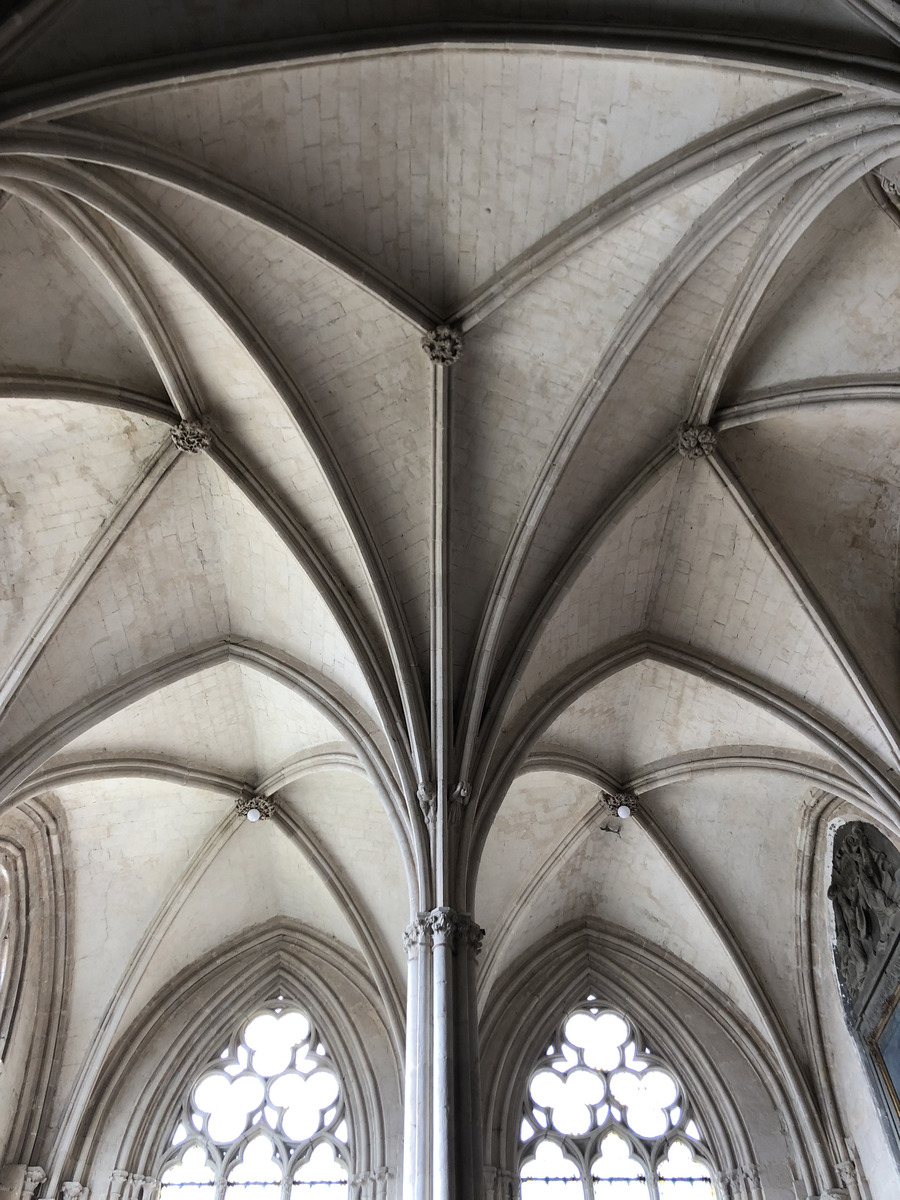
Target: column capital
x=32, y=1180
x=73, y=1190
x=416, y=934
x=453, y=929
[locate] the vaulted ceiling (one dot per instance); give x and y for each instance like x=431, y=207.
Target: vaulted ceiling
x=627, y=241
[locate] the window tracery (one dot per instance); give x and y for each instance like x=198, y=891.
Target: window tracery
x=11, y=949
x=605, y=1119
x=266, y=1120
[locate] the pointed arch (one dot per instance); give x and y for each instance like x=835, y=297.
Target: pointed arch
x=129, y=1117
x=693, y=1026
x=33, y=983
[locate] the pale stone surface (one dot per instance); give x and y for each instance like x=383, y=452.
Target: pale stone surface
x=58, y=313
x=349, y=822
x=229, y=717
x=625, y=880
x=387, y=528
x=498, y=148
x=843, y=525
x=654, y=713
x=65, y=467
x=131, y=840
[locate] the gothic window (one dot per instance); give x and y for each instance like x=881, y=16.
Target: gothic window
x=264, y=1121
x=5, y=934
x=11, y=948
x=605, y=1119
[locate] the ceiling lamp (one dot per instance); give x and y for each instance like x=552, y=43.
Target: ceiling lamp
x=254, y=807
x=621, y=804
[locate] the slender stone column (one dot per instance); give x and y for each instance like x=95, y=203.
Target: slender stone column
x=417, y=1098
x=443, y=923
x=443, y=1156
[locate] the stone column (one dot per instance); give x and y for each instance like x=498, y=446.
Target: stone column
x=417, y=1097
x=443, y=1154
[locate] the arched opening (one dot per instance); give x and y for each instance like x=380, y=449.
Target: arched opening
x=265, y=1120
x=605, y=1118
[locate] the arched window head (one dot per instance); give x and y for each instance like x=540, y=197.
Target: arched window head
x=265, y=1120
x=605, y=1119
x=12, y=926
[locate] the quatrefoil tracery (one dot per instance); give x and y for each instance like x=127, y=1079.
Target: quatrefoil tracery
x=601, y=1100
x=270, y=1105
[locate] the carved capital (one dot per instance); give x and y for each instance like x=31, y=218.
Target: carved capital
x=695, y=441
x=117, y=1182
x=500, y=1184
x=191, y=437
x=248, y=803
x=728, y=1182
x=474, y=936
x=453, y=929
x=72, y=1190
x=427, y=797
x=846, y=1171
x=444, y=924
x=34, y=1177
x=443, y=345
x=732, y=1182
x=751, y=1174
x=416, y=934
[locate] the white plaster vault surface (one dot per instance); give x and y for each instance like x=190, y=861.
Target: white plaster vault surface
x=264, y=251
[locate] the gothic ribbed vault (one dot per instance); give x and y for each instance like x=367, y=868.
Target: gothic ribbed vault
x=436, y=611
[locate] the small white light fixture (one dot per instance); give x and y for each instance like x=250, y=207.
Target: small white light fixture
x=621, y=804
x=254, y=807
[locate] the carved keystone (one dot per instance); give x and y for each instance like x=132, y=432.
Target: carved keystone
x=250, y=802
x=443, y=345
x=191, y=437
x=617, y=800
x=695, y=441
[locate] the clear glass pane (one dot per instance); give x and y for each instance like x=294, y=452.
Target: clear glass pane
x=191, y=1179
x=615, y=1173
x=549, y=1175
x=229, y=1103
x=258, y=1175
x=322, y=1177
x=303, y=1101
x=600, y=1038
x=683, y=1177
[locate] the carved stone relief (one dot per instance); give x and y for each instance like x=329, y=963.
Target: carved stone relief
x=695, y=441
x=865, y=894
x=191, y=437
x=443, y=345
